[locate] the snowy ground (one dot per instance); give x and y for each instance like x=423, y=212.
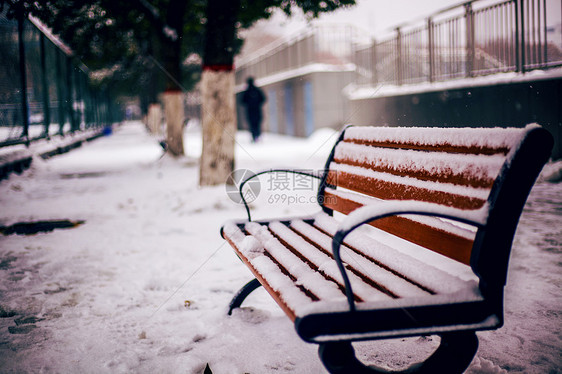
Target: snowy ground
x=143, y=285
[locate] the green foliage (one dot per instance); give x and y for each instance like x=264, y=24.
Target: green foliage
x=254, y=10
x=120, y=39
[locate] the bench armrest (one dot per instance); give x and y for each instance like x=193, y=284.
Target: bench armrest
x=300, y=172
x=383, y=209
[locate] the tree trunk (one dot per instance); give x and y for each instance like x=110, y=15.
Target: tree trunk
x=217, y=88
x=173, y=96
x=174, y=112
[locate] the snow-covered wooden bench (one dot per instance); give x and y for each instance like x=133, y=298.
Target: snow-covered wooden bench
x=456, y=192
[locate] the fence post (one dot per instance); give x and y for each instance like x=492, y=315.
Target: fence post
x=70, y=94
x=374, y=73
x=545, y=31
x=431, y=50
x=60, y=93
x=516, y=38
x=107, y=95
x=85, y=100
x=94, y=100
x=522, y=40
x=398, y=56
x=91, y=118
x=470, y=42
x=44, y=83
x=23, y=80
x=79, y=111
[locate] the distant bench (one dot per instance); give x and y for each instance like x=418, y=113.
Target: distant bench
x=14, y=162
x=18, y=160
x=457, y=192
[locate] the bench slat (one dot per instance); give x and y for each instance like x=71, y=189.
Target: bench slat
x=315, y=282
x=448, y=244
x=325, y=265
x=467, y=170
x=451, y=140
x=377, y=273
x=448, y=148
x=275, y=279
x=401, y=188
x=417, y=271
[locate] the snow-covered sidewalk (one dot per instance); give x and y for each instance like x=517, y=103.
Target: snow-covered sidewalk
x=143, y=284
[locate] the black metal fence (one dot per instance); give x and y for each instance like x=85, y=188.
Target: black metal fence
x=44, y=91
x=471, y=39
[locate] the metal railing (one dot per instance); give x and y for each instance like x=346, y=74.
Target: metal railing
x=470, y=39
x=43, y=90
x=320, y=44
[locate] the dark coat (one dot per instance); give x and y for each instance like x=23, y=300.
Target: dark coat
x=253, y=99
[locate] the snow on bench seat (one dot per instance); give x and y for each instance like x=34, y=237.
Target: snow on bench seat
x=487, y=141
x=294, y=260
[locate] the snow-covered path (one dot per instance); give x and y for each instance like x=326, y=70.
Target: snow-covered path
x=143, y=285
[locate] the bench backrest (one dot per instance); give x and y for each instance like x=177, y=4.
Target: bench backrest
x=467, y=168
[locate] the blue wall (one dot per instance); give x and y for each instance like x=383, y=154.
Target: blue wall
x=289, y=110
x=308, y=108
x=273, y=120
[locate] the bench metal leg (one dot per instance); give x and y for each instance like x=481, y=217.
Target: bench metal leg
x=454, y=354
x=242, y=294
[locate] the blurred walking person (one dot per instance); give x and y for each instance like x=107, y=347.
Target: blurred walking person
x=253, y=99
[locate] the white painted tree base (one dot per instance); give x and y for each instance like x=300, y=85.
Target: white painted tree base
x=219, y=127
x=154, y=118
x=174, y=110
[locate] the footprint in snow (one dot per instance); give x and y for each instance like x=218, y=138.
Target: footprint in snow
x=251, y=315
